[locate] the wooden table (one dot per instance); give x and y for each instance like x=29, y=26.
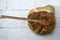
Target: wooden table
x=18, y=29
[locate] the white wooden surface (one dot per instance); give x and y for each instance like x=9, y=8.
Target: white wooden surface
x=18, y=29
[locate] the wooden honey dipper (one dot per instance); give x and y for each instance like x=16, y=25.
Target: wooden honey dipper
x=18, y=18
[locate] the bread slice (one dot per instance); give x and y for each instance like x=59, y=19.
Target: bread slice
x=39, y=29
